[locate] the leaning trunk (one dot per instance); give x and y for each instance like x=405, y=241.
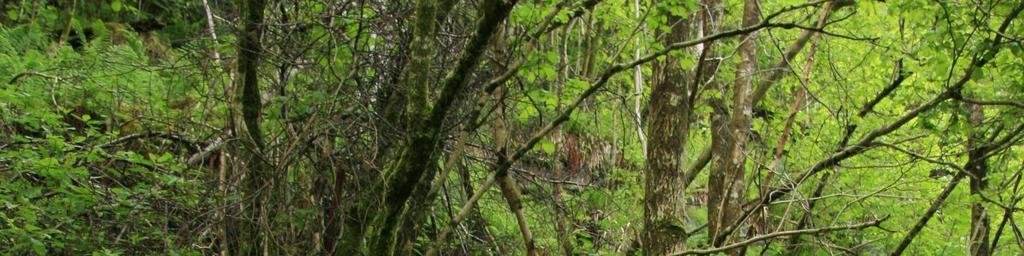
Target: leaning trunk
x=414, y=170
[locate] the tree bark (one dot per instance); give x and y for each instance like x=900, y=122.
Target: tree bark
x=333, y=212
x=258, y=176
x=414, y=160
x=638, y=85
x=774, y=74
x=507, y=184
x=415, y=169
x=668, y=125
x=797, y=103
x=978, y=168
x=800, y=95
x=562, y=227
x=726, y=193
x=510, y=191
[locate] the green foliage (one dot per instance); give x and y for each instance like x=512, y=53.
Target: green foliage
x=62, y=189
x=100, y=116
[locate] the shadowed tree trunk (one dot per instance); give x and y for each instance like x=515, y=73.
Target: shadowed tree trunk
x=415, y=168
x=257, y=180
x=415, y=158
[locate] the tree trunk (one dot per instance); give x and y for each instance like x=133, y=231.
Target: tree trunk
x=668, y=125
x=792, y=244
x=419, y=148
x=507, y=184
x=978, y=168
x=726, y=193
x=415, y=167
x=774, y=74
x=562, y=227
x=638, y=84
x=333, y=208
x=249, y=53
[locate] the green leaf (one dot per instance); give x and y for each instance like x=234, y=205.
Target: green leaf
x=38, y=247
x=547, y=146
x=978, y=74
x=116, y=5
x=164, y=158
x=548, y=72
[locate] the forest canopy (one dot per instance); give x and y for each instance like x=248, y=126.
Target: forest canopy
x=511, y=127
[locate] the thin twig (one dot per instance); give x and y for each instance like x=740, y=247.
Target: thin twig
x=778, y=234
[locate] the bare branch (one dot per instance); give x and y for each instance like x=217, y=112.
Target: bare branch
x=1011, y=103
x=780, y=234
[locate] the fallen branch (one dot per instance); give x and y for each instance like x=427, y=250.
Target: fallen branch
x=214, y=146
x=18, y=77
x=145, y=135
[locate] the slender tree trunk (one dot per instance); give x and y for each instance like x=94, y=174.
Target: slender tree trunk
x=226, y=226
x=726, y=193
x=721, y=140
x=419, y=80
x=334, y=208
x=638, y=84
x=419, y=148
x=507, y=184
x=510, y=190
x=562, y=230
x=774, y=74
x=257, y=180
x=798, y=101
x=978, y=168
x=415, y=168
x=563, y=234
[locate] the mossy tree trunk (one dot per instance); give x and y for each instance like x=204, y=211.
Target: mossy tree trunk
x=409, y=178
x=252, y=237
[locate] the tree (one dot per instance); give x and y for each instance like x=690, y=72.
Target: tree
x=503, y=127
x=664, y=202
x=730, y=132
x=253, y=238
